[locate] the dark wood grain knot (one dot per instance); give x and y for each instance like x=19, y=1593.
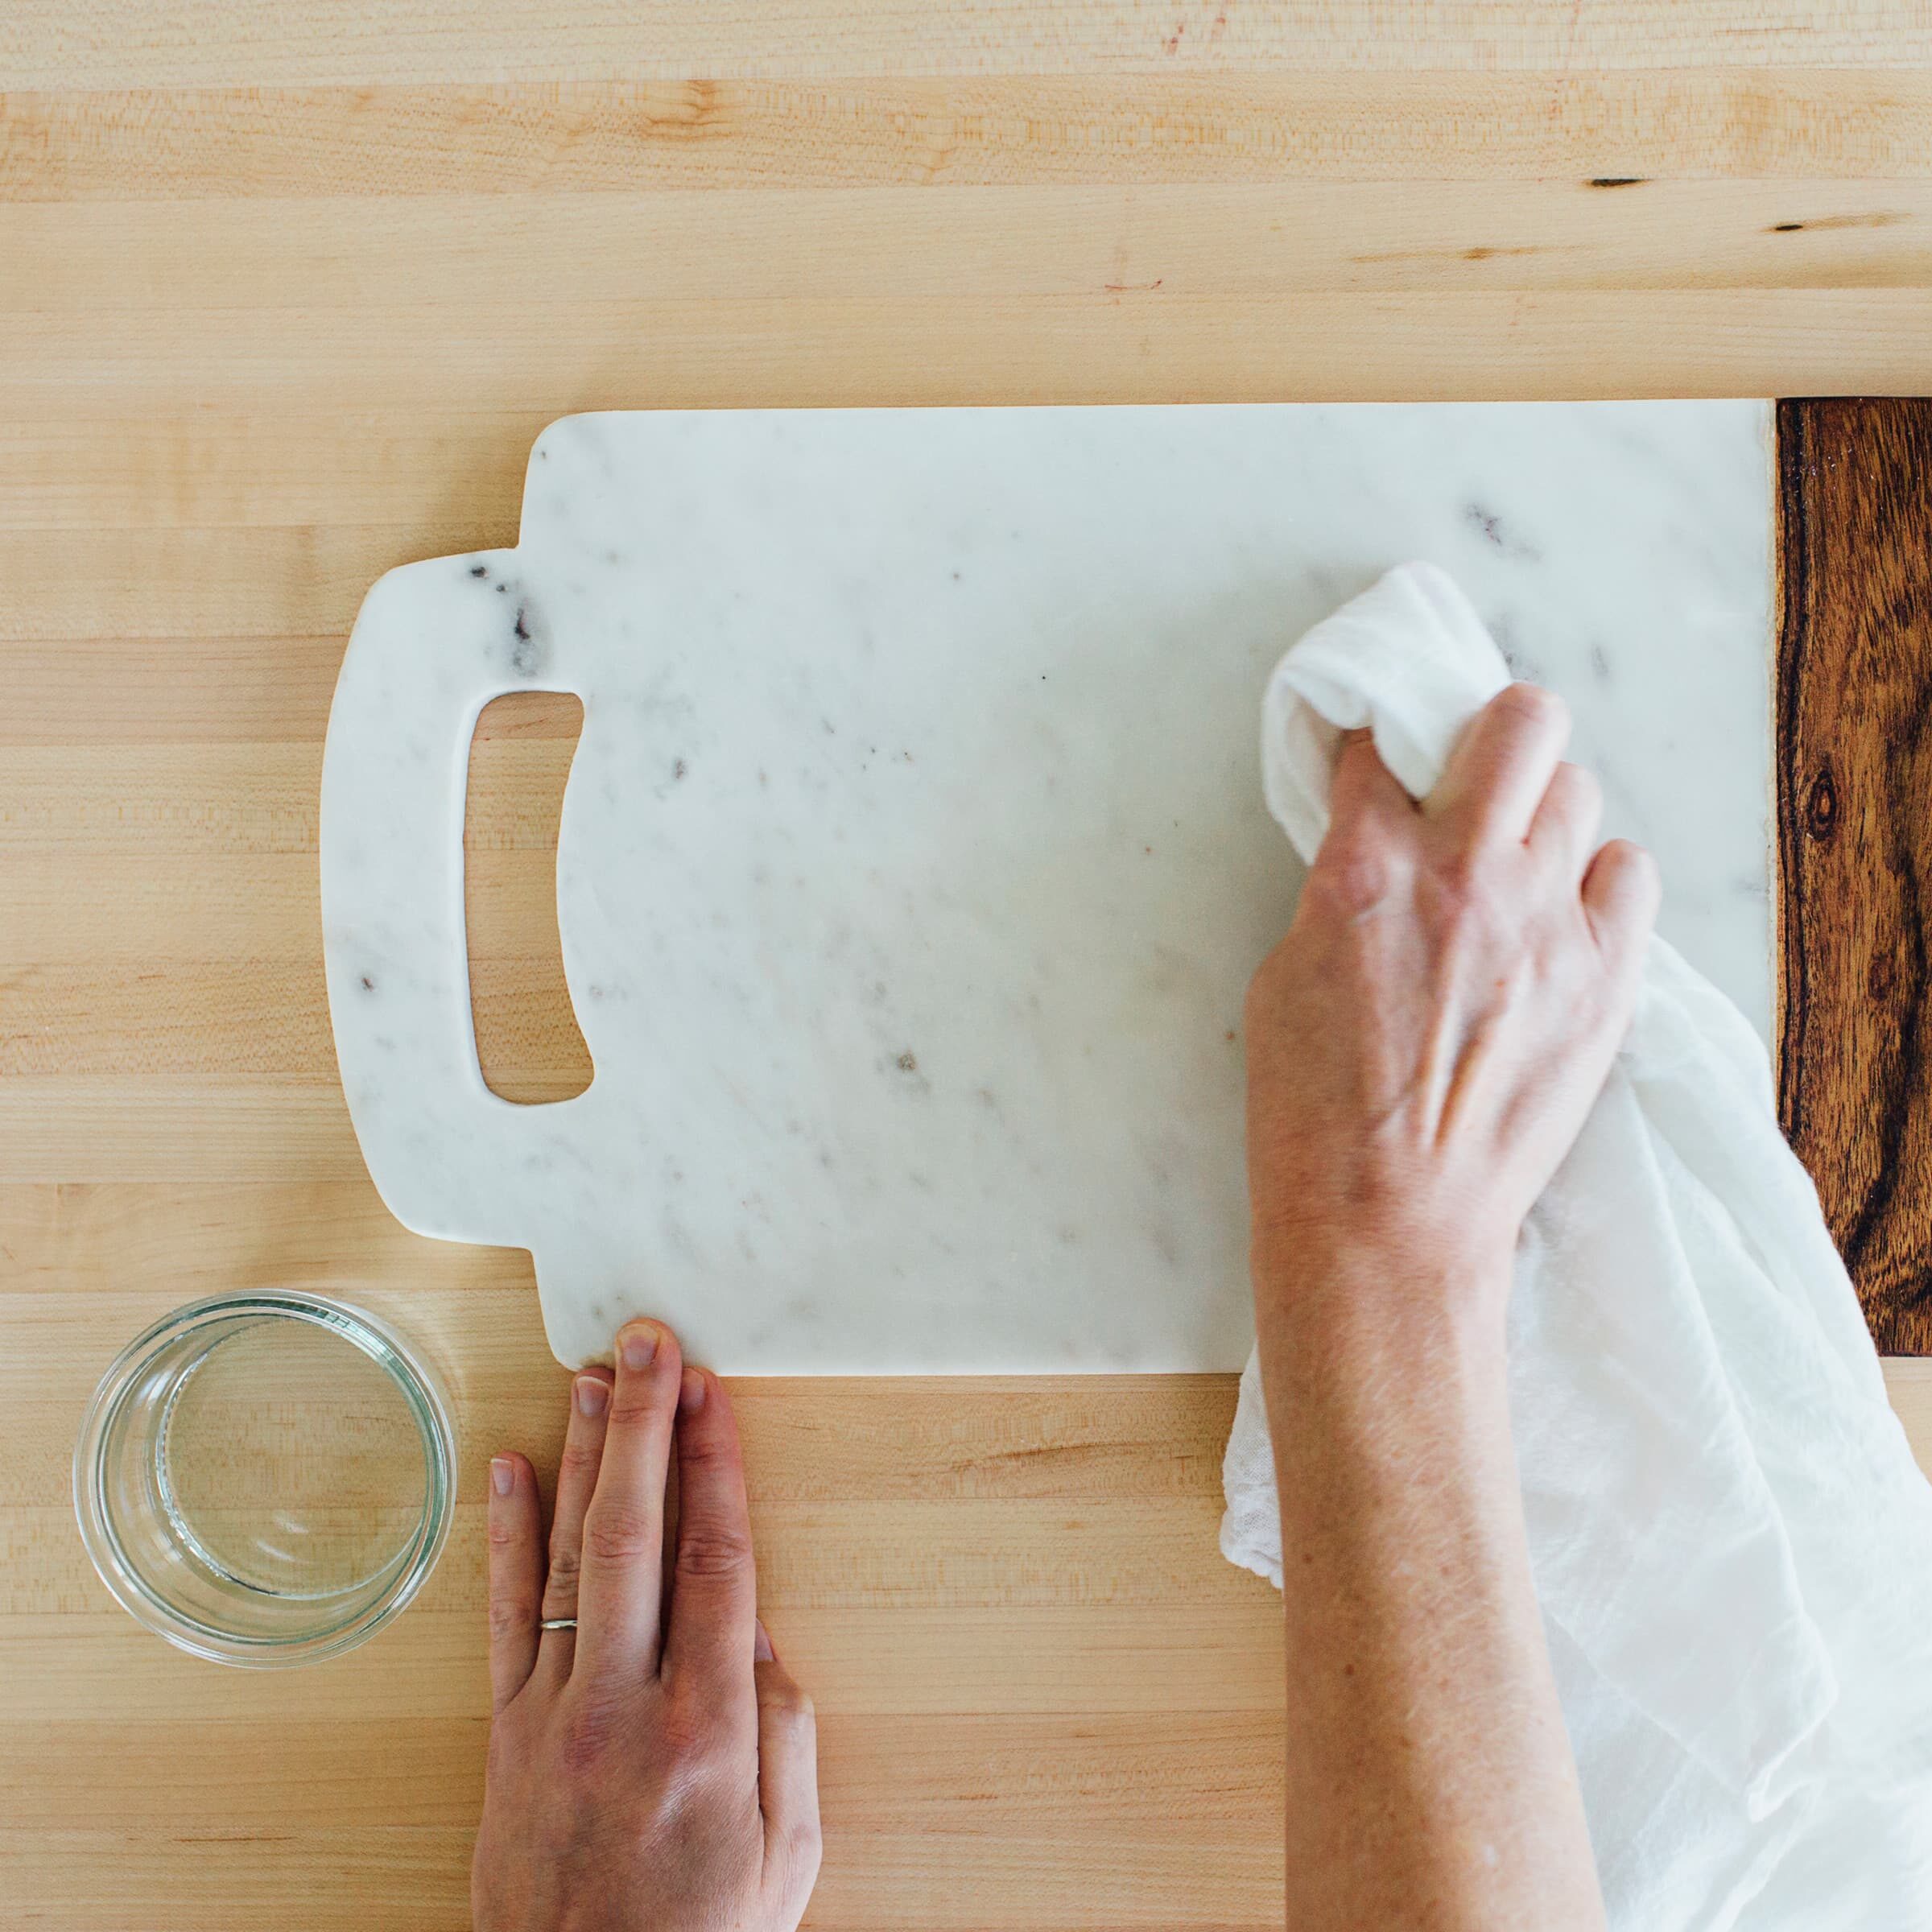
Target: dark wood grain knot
x=1881, y=975
x=1821, y=807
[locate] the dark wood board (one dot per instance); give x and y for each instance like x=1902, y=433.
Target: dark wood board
x=1853, y=757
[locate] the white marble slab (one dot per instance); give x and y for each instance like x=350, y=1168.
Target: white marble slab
x=913, y=859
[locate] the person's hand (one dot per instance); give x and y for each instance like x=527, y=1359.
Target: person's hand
x=1425, y=1044
x=655, y=1767
x=1422, y=1049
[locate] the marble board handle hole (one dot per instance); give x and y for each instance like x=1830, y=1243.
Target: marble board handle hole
x=528, y=1043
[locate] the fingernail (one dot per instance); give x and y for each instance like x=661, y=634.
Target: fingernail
x=591, y=1395
x=691, y=1392
x=762, y=1651
x=639, y=1346
x=502, y=1475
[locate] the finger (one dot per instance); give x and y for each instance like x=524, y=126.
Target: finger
x=516, y=1576
x=1502, y=764
x=1365, y=787
x=1566, y=823
x=1621, y=891
x=788, y=1777
x=714, y=1583
x=668, y=1557
x=576, y=1483
x=620, y=1591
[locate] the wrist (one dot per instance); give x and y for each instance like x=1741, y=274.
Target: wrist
x=1320, y=1288
x=1376, y=1359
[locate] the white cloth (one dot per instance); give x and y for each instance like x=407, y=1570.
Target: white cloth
x=1731, y=1544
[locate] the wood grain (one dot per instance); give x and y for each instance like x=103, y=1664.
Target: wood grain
x=94, y=43
x=145, y=144
x=1855, y=841
x=1099, y=346
x=1201, y=242
x=285, y=294
x=151, y=145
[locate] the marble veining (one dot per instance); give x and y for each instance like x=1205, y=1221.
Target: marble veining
x=913, y=860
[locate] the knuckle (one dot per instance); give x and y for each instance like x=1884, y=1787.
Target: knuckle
x=504, y=1535
x=1629, y=872
x=510, y=1616
x=787, y=1705
x=1466, y=881
x=1353, y=880
x=584, y=1740
x=708, y=1451
x=565, y=1564
x=699, y=1441
x=577, y=1462
x=709, y=1549
x=1529, y=704
x=648, y=1407
x=617, y=1532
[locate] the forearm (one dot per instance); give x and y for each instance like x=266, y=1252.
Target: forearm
x=1429, y=1781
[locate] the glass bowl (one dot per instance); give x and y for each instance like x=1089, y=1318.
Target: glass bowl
x=265, y=1479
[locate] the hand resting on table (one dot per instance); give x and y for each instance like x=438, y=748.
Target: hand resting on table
x=654, y=1770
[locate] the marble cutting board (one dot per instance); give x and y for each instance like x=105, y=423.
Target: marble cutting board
x=913, y=860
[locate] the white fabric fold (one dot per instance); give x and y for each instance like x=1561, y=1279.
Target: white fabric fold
x=1731, y=1544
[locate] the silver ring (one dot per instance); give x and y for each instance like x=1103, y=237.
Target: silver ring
x=558, y=1623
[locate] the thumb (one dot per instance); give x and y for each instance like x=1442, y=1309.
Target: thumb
x=788, y=1780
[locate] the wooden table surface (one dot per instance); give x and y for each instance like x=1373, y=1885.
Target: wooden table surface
x=285, y=293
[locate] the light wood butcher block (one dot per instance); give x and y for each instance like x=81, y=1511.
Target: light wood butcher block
x=283, y=301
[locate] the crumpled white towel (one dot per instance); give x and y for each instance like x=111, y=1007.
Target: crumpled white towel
x=1731, y=1544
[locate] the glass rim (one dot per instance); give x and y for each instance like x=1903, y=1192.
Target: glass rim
x=383, y=1346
